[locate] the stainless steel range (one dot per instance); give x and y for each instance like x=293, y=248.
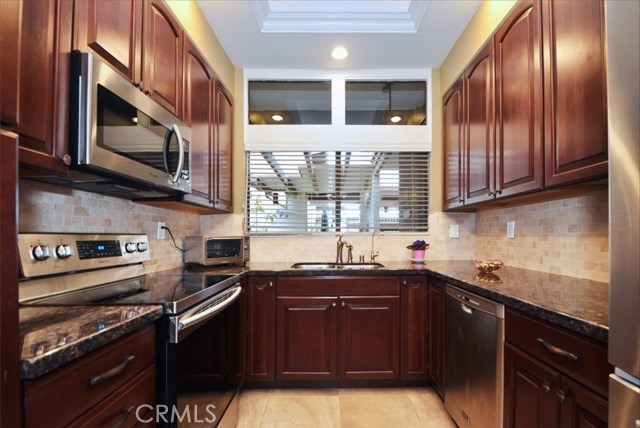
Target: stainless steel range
x=200, y=355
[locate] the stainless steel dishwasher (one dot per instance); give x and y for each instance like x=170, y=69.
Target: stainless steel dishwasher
x=474, y=340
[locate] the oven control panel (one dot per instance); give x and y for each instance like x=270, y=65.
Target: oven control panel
x=52, y=253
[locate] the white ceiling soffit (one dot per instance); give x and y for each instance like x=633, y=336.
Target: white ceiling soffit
x=309, y=30
x=339, y=16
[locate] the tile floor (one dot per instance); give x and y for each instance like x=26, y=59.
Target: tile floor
x=342, y=408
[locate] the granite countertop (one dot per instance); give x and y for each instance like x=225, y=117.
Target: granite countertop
x=53, y=336
x=580, y=305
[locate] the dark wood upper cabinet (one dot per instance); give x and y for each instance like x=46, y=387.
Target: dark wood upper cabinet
x=575, y=91
x=198, y=114
x=519, y=104
x=436, y=334
x=261, y=341
x=307, y=338
x=453, y=129
x=223, y=134
x=479, y=159
x=162, y=56
x=112, y=30
x=10, y=394
x=36, y=64
x=369, y=338
x=414, y=334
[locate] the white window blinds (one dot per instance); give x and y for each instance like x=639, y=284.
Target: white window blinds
x=336, y=191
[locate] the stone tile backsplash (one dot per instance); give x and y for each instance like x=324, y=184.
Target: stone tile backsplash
x=565, y=237
x=49, y=208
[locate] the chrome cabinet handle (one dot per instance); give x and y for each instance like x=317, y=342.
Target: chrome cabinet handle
x=333, y=304
x=125, y=415
x=343, y=304
x=561, y=395
x=113, y=372
x=557, y=351
x=270, y=283
x=404, y=282
x=546, y=387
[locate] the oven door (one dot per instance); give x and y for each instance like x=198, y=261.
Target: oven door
x=205, y=361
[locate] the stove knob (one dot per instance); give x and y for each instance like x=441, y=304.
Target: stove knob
x=142, y=246
x=63, y=251
x=40, y=252
x=130, y=247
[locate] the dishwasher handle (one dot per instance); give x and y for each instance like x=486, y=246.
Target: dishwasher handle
x=466, y=308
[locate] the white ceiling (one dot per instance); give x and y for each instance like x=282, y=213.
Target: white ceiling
x=300, y=34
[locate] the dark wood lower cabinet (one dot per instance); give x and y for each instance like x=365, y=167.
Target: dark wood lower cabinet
x=369, y=338
x=307, y=338
x=530, y=391
x=536, y=395
x=436, y=334
x=261, y=332
x=414, y=334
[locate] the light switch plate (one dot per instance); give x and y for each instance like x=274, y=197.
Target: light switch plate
x=160, y=233
x=454, y=231
x=511, y=229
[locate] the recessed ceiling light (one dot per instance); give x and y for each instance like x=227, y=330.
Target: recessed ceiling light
x=339, y=53
x=395, y=119
x=277, y=117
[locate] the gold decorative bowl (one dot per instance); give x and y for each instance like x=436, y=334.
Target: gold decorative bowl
x=488, y=266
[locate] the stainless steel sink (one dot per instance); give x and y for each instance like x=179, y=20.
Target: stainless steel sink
x=332, y=266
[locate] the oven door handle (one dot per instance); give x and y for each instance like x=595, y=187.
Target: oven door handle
x=211, y=311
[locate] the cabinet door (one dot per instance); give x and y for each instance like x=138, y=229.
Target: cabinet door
x=581, y=407
x=223, y=150
x=575, y=91
x=112, y=30
x=9, y=344
x=414, y=302
x=519, y=120
x=37, y=103
x=530, y=392
x=162, y=57
x=452, y=110
x=369, y=338
x=307, y=338
x=198, y=114
x=478, y=127
x=261, y=331
x=436, y=335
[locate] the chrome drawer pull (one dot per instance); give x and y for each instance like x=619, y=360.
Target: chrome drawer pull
x=113, y=372
x=557, y=351
x=125, y=415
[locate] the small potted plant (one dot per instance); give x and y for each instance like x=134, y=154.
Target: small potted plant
x=418, y=247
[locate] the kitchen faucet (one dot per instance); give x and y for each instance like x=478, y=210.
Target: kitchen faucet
x=377, y=253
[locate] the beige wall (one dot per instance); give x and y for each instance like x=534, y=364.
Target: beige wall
x=190, y=16
x=483, y=24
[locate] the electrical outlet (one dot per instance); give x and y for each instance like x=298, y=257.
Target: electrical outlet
x=160, y=234
x=511, y=229
x=454, y=231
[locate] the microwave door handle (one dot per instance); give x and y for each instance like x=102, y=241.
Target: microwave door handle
x=176, y=130
x=165, y=149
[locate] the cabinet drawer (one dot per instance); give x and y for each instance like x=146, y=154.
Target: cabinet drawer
x=576, y=356
x=121, y=407
x=61, y=396
x=339, y=286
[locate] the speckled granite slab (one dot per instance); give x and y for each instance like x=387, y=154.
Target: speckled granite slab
x=53, y=336
x=579, y=305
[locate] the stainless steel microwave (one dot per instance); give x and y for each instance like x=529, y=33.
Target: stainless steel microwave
x=214, y=250
x=118, y=132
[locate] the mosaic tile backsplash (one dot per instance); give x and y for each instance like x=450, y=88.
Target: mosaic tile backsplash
x=565, y=237
x=48, y=208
